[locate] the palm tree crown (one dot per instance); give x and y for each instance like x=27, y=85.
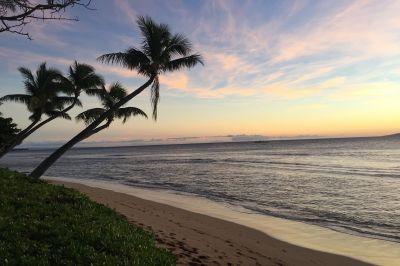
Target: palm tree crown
x=42, y=92
x=82, y=77
x=108, y=98
x=160, y=52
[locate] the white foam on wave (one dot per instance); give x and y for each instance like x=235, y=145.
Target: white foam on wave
x=370, y=250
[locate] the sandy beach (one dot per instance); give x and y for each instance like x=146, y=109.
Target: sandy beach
x=198, y=239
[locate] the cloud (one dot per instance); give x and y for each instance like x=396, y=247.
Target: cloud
x=362, y=27
x=300, y=59
x=397, y=72
x=16, y=58
x=175, y=81
x=302, y=49
x=115, y=70
x=240, y=138
x=127, y=9
x=374, y=90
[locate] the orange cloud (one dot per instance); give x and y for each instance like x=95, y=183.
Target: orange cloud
x=175, y=81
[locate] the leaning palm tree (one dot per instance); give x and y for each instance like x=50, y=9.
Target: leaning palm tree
x=81, y=77
x=108, y=99
x=160, y=52
x=42, y=98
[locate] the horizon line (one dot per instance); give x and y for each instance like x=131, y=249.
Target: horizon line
x=41, y=145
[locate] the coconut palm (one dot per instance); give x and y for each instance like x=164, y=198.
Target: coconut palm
x=160, y=52
x=42, y=98
x=81, y=77
x=108, y=99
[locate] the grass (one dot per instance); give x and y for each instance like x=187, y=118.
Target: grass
x=44, y=224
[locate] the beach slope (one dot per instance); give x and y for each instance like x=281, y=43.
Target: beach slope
x=198, y=239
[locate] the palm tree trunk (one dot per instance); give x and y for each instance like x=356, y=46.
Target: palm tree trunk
x=49, y=161
x=51, y=118
x=87, y=132
x=17, y=139
x=29, y=130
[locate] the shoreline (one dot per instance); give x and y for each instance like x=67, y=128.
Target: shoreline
x=311, y=240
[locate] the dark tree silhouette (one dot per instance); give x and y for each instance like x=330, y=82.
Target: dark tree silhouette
x=8, y=130
x=108, y=99
x=82, y=77
x=42, y=98
x=15, y=14
x=160, y=52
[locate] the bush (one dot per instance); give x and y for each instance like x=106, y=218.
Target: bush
x=44, y=224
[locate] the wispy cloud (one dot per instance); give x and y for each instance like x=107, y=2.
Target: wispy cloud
x=311, y=54
x=241, y=55
x=127, y=9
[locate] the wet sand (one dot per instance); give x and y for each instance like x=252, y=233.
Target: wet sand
x=198, y=239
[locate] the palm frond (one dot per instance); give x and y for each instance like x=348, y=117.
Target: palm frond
x=19, y=98
x=131, y=59
x=60, y=102
x=127, y=112
x=81, y=69
x=155, y=96
x=63, y=84
x=146, y=25
x=54, y=80
x=102, y=94
x=160, y=51
x=116, y=91
x=31, y=88
x=59, y=114
x=183, y=62
x=91, y=81
x=155, y=37
x=41, y=75
x=95, y=91
x=179, y=44
x=48, y=80
x=27, y=74
x=35, y=116
x=90, y=115
x=78, y=102
x=83, y=76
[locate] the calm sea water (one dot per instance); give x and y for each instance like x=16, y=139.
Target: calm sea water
x=351, y=185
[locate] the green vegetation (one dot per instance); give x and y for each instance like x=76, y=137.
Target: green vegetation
x=8, y=130
x=44, y=224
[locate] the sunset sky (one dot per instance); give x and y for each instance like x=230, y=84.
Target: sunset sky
x=272, y=68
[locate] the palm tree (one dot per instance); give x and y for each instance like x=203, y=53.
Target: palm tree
x=160, y=52
x=41, y=98
x=81, y=77
x=108, y=99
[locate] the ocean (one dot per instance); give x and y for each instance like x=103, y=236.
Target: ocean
x=350, y=185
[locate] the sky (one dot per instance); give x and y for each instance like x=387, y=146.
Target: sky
x=273, y=69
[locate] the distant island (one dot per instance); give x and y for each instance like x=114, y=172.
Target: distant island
x=392, y=136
